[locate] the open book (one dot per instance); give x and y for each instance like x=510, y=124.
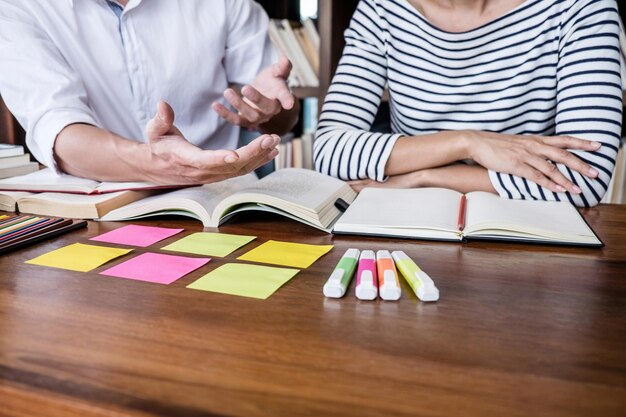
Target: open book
x=440, y=214
x=46, y=180
x=75, y=206
x=300, y=194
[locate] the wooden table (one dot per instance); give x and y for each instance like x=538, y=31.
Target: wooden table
x=520, y=330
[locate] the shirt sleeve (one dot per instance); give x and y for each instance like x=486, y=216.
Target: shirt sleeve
x=345, y=147
x=248, y=46
x=37, y=84
x=589, y=101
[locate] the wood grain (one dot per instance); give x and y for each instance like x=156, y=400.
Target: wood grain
x=520, y=330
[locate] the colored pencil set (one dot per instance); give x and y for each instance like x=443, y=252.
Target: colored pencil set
x=22, y=230
x=376, y=275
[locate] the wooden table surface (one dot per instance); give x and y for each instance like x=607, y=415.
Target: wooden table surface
x=520, y=330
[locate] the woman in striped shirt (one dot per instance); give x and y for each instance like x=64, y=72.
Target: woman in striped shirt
x=530, y=91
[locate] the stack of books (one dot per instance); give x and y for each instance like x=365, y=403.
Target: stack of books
x=13, y=161
x=300, y=42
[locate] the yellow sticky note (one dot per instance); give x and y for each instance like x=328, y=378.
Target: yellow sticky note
x=210, y=244
x=252, y=281
x=298, y=255
x=78, y=257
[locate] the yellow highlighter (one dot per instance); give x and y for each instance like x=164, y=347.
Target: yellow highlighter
x=420, y=282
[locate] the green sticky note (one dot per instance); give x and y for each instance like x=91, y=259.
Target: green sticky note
x=297, y=255
x=252, y=281
x=210, y=244
x=78, y=257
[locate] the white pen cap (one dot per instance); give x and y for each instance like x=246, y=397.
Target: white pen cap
x=427, y=291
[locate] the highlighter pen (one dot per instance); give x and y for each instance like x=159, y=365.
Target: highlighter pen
x=388, y=283
x=339, y=280
x=422, y=285
x=366, y=280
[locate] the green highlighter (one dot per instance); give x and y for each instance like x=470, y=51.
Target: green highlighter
x=422, y=284
x=339, y=280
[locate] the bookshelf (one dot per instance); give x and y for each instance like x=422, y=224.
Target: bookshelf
x=334, y=17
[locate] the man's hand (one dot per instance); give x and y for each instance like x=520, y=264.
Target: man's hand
x=260, y=103
x=173, y=160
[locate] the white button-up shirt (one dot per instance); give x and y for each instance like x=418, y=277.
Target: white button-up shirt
x=76, y=61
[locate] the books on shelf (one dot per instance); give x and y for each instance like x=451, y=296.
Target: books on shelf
x=438, y=214
x=295, y=153
x=309, y=114
x=46, y=180
x=299, y=194
x=13, y=161
x=299, y=43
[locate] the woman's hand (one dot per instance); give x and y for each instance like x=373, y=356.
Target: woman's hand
x=261, y=101
x=460, y=177
x=410, y=180
x=532, y=157
x=173, y=160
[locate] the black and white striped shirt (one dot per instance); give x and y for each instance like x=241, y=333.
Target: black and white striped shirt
x=548, y=67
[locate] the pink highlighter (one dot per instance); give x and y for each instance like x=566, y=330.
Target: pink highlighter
x=366, y=277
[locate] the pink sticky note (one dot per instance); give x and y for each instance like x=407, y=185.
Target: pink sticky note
x=134, y=235
x=156, y=267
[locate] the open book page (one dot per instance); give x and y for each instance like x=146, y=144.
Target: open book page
x=47, y=180
x=489, y=215
x=196, y=202
x=430, y=213
x=108, y=187
x=303, y=193
x=8, y=199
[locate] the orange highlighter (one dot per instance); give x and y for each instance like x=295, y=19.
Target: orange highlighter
x=388, y=282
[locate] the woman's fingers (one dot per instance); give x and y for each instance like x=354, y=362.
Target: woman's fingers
x=545, y=172
x=570, y=160
x=569, y=142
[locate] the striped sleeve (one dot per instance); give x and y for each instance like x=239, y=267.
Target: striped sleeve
x=589, y=101
x=344, y=146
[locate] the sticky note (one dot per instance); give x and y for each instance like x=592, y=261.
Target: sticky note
x=134, y=235
x=156, y=267
x=78, y=257
x=252, y=281
x=210, y=244
x=297, y=255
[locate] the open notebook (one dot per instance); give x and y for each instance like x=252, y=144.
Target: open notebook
x=439, y=214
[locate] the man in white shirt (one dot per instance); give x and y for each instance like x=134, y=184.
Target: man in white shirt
x=84, y=78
